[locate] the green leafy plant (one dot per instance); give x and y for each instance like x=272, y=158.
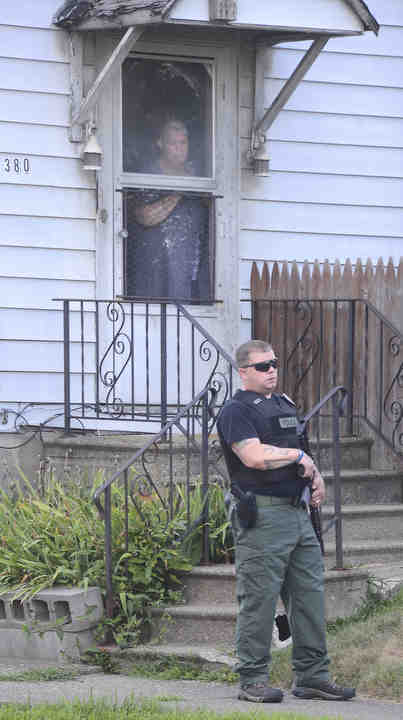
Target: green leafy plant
x=55, y=536
x=48, y=538
x=101, y=657
x=221, y=543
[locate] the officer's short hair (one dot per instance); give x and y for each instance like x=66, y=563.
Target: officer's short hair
x=242, y=353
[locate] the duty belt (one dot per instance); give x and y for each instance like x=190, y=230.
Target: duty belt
x=263, y=500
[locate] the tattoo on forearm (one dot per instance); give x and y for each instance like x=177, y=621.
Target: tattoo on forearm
x=271, y=461
x=239, y=445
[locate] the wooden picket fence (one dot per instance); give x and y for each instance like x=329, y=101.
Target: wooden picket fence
x=327, y=324
x=382, y=285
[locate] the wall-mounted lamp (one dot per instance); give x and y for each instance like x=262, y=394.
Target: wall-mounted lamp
x=261, y=161
x=92, y=153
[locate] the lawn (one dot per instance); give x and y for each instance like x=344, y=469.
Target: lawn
x=134, y=711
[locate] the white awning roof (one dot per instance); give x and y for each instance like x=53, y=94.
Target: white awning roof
x=333, y=17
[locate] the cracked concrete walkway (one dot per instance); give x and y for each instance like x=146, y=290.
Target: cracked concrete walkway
x=183, y=694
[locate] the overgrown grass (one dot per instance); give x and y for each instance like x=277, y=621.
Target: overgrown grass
x=366, y=650
x=369, y=651
x=41, y=675
x=168, y=668
x=133, y=711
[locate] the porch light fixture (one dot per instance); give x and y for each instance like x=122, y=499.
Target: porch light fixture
x=261, y=161
x=92, y=153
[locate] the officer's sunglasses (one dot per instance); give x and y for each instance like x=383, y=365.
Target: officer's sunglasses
x=264, y=366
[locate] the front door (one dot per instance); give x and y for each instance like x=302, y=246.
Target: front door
x=167, y=223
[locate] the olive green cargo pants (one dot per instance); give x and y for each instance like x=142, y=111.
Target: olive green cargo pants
x=280, y=555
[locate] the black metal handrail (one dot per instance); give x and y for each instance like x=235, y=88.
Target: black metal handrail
x=202, y=406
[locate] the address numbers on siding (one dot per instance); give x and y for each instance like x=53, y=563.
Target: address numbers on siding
x=13, y=165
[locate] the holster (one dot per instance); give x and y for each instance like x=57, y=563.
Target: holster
x=246, y=507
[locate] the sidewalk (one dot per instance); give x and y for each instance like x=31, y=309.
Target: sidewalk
x=183, y=694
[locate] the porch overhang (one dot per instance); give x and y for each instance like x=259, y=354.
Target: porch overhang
x=272, y=22
x=330, y=17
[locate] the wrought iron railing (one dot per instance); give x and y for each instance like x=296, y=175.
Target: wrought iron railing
x=135, y=362
x=166, y=472
x=322, y=343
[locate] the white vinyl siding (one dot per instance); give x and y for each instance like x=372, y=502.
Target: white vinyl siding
x=335, y=188
x=47, y=215
x=28, y=14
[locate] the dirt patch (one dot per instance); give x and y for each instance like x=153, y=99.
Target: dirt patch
x=392, y=651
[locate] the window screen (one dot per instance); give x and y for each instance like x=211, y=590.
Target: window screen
x=167, y=105
x=169, y=249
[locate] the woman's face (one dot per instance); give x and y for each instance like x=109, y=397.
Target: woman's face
x=174, y=146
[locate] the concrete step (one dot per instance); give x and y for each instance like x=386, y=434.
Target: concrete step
x=366, y=522
x=210, y=584
x=98, y=446
x=214, y=654
x=366, y=487
x=210, y=617
x=355, y=453
x=195, y=624
x=109, y=451
x=85, y=454
x=360, y=554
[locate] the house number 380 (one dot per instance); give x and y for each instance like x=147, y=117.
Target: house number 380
x=17, y=165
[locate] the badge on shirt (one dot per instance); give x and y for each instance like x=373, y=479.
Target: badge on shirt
x=287, y=422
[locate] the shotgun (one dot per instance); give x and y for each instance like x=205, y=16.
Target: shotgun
x=316, y=519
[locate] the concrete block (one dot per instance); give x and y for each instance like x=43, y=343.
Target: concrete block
x=16, y=643
x=56, y=623
x=345, y=591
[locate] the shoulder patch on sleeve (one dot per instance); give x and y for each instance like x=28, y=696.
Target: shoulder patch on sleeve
x=288, y=399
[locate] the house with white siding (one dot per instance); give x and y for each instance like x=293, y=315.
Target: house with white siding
x=290, y=117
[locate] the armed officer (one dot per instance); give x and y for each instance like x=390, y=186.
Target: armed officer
x=276, y=549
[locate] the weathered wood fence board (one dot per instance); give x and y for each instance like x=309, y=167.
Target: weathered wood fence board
x=382, y=285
